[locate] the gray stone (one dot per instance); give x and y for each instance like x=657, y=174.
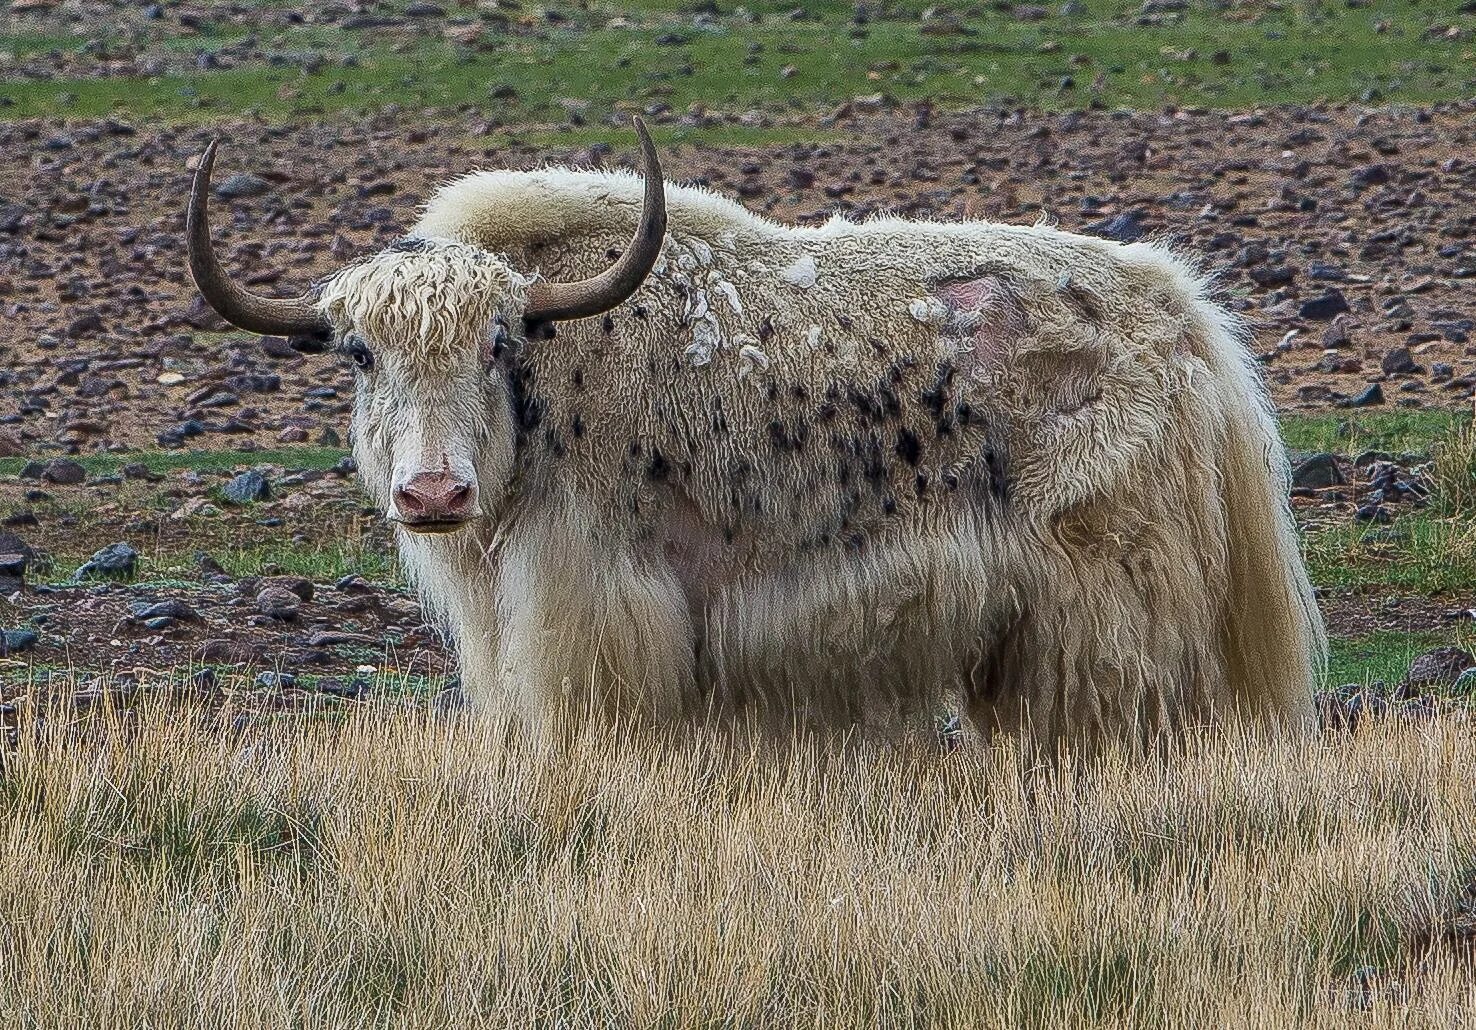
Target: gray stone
x=279, y=603
x=243, y=184
x=115, y=561
x=170, y=608
x=1399, y=361
x=247, y=488
x=1436, y=671
x=1371, y=395
x=1324, y=308
x=1125, y=228
x=17, y=641
x=1318, y=471
x=64, y=472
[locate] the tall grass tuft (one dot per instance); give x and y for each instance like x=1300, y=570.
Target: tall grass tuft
x=394, y=870
x=1453, y=469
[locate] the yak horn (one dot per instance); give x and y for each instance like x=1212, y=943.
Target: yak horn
x=270, y=316
x=552, y=302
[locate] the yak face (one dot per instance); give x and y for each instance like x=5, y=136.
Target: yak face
x=425, y=324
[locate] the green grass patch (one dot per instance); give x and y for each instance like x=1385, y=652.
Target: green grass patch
x=1293, y=53
x=319, y=562
x=1381, y=656
x=666, y=136
x=1398, y=432
x=1419, y=553
x=295, y=458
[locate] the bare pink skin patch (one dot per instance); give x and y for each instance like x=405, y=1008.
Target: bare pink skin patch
x=990, y=311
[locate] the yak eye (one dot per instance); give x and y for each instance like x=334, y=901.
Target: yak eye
x=358, y=353
x=498, y=343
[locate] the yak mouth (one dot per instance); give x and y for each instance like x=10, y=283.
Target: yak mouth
x=433, y=527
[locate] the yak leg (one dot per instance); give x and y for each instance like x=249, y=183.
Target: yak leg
x=589, y=630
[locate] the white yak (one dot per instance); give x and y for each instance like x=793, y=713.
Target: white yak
x=653, y=456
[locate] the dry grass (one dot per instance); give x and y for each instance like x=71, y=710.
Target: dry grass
x=392, y=870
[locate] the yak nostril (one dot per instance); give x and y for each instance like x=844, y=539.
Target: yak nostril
x=434, y=496
x=408, y=502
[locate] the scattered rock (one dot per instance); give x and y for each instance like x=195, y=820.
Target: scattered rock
x=1328, y=306
x=302, y=588
x=17, y=641
x=1337, y=335
x=278, y=603
x=115, y=561
x=242, y=184
x=1436, y=671
x=1125, y=228
x=1371, y=395
x=171, y=608
x=64, y=472
x=1317, y=472
x=1399, y=362
x=247, y=488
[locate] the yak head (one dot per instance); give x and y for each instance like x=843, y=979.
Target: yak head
x=426, y=323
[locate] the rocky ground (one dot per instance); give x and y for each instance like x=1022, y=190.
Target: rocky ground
x=1343, y=234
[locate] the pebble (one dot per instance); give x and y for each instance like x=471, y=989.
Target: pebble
x=1436, y=671
x=1125, y=228
x=171, y=608
x=1371, y=395
x=242, y=184
x=1399, y=362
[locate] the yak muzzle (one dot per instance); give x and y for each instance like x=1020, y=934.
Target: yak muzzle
x=435, y=502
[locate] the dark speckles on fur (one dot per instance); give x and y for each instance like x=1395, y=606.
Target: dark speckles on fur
x=997, y=464
x=658, y=468
x=607, y=324
x=867, y=406
x=411, y=245
x=787, y=438
x=576, y=425
x=1086, y=303
x=887, y=397
x=935, y=396
x=576, y=379
x=908, y=448
x=766, y=329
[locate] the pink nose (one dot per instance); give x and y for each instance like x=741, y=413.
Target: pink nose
x=434, y=497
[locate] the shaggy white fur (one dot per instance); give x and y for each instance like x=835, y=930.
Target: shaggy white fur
x=833, y=475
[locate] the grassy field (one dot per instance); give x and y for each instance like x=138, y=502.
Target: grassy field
x=386, y=871
x=215, y=857
x=595, y=59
